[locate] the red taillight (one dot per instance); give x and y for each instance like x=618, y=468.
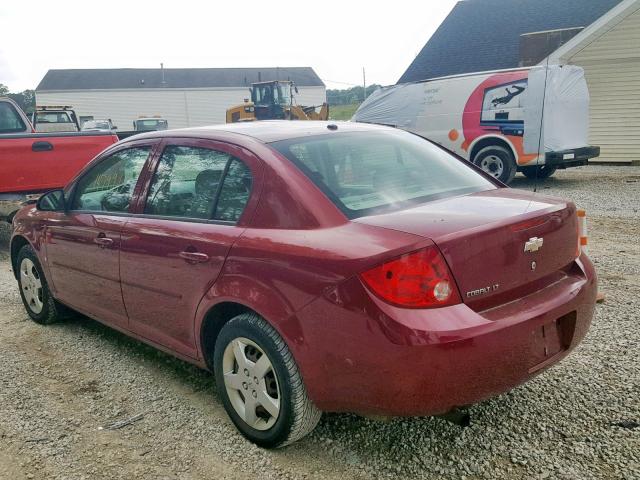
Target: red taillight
x=416, y=280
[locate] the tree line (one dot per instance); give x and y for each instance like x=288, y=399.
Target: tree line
x=25, y=99
x=349, y=96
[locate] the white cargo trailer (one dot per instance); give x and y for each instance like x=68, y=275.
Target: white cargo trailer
x=534, y=120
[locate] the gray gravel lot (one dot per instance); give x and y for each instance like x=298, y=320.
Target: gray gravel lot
x=59, y=384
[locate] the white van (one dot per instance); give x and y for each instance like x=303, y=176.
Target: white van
x=504, y=121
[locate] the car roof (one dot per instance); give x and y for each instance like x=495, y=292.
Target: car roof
x=267, y=131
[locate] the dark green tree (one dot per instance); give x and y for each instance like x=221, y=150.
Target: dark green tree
x=26, y=100
x=349, y=96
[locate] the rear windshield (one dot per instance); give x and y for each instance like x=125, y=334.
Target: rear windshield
x=53, y=117
x=365, y=173
x=152, y=124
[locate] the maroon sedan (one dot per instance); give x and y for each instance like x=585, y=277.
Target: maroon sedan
x=313, y=267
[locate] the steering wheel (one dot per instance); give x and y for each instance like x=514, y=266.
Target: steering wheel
x=117, y=199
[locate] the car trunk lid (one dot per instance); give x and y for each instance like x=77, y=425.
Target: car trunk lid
x=499, y=244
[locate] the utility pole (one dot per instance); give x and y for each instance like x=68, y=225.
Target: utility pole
x=364, y=86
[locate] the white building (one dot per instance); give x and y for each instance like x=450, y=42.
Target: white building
x=609, y=52
x=185, y=97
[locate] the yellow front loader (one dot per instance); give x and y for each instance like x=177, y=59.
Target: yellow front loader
x=274, y=101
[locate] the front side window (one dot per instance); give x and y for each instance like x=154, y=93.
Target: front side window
x=10, y=121
x=365, y=173
x=283, y=94
x=199, y=183
x=109, y=185
x=263, y=94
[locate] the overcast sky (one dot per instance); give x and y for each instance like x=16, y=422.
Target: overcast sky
x=336, y=38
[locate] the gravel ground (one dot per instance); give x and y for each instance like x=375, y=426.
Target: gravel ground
x=578, y=420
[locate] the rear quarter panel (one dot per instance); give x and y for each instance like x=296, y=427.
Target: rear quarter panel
x=277, y=272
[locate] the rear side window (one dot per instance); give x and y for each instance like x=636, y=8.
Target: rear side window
x=234, y=193
x=109, y=185
x=10, y=121
x=372, y=172
x=199, y=183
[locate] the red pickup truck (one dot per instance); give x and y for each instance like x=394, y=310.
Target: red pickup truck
x=32, y=163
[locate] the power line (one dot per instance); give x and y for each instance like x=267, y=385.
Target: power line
x=342, y=83
x=312, y=77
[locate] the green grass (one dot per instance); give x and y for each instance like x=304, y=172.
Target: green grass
x=342, y=112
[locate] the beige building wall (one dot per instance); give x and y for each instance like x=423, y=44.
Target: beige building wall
x=609, y=52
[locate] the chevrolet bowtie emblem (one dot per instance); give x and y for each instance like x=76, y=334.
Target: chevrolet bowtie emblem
x=533, y=244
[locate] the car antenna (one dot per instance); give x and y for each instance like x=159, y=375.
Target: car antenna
x=544, y=95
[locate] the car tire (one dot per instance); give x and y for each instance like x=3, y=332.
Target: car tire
x=496, y=161
x=246, y=383
x=34, y=290
x=544, y=171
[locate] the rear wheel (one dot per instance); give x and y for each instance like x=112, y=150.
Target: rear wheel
x=260, y=384
x=35, y=293
x=497, y=161
x=544, y=171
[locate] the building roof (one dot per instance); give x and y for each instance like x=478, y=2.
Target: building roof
x=135, y=78
x=481, y=35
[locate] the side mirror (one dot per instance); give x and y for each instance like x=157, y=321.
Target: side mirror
x=113, y=127
x=52, y=201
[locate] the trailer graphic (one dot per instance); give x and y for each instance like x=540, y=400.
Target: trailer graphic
x=504, y=111
x=517, y=90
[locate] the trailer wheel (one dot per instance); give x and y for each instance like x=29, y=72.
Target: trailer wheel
x=498, y=162
x=544, y=171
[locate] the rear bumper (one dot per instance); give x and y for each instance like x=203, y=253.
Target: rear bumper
x=574, y=157
x=383, y=360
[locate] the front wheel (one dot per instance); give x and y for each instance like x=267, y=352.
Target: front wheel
x=35, y=293
x=260, y=384
x=496, y=161
x=544, y=171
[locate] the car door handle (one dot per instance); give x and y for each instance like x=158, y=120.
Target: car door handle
x=103, y=242
x=194, y=257
x=41, y=146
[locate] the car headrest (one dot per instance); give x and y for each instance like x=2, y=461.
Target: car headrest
x=207, y=181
